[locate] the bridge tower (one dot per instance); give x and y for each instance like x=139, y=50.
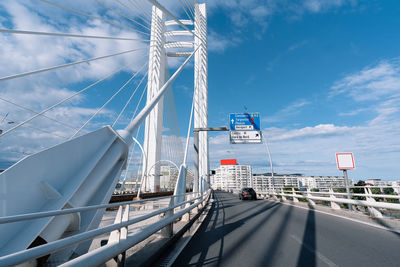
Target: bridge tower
x=156, y=79
x=201, y=90
x=158, y=69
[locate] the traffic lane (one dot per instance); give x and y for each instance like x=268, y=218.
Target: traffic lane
x=263, y=233
x=234, y=234
x=349, y=243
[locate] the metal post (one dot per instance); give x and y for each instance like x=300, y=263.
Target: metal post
x=346, y=182
x=196, y=153
x=167, y=231
x=196, y=161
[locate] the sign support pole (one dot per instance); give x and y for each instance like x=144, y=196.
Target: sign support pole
x=196, y=161
x=345, y=161
x=346, y=182
x=196, y=153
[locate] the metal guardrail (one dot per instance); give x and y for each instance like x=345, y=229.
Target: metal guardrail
x=330, y=196
x=120, y=225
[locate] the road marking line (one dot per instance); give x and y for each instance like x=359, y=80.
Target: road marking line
x=343, y=217
x=319, y=255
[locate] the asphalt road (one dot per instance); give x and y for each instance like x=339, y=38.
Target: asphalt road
x=267, y=233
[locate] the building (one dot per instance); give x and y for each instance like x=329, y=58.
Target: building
x=231, y=177
x=321, y=182
x=168, y=177
x=378, y=182
x=262, y=182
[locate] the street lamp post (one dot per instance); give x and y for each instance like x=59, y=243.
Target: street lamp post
x=270, y=161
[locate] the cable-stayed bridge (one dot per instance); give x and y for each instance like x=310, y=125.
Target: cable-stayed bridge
x=97, y=107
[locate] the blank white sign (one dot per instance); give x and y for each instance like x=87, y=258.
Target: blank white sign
x=345, y=161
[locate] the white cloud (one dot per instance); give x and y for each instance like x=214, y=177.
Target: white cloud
x=311, y=150
x=22, y=53
x=318, y=130
x=316, y=6
x=372, y=83
x=353, y=112
x=259, y=13
x=218, y=43
x=297, y=45
x=288, y=111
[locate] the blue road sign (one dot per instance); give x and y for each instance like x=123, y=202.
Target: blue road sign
x=244, y=121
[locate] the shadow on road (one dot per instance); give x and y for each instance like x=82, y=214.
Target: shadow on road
x=215, y=234
x=384, y=224
x=270, y=254
x=307, y=257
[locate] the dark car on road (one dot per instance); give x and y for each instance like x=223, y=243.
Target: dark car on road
x=247, y=193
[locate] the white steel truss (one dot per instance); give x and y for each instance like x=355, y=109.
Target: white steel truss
x=201, y=89
x=157, y=70
x=156, y=79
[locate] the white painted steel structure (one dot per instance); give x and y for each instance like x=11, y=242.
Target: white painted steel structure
x=113, y=248
x=158, y=63
x=52, y=201
x=337, y=198
x=201, y=91
x=153, y=128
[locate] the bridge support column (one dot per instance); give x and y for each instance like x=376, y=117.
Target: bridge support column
x=168, y=231
x=186, y=216
x=156, y=79
x=201, y=92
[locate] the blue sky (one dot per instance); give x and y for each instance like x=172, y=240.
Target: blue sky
x=324, y=75
x=325, y=80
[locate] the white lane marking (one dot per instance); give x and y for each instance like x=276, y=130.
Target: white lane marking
x=318, y=254
x=343, y=217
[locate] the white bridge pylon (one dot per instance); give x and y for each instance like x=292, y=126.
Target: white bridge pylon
x=160, y=50
x=84, y=171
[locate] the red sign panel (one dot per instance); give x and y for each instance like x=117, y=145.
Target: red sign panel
x=228, y=162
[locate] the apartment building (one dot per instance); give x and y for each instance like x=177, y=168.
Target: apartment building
x=231, y=177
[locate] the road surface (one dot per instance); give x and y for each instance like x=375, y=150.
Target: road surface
x=268, y=233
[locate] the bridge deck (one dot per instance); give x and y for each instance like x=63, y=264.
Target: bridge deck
x=266, y=233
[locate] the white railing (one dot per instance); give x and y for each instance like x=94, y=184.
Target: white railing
x=119, y=240
x=336, y=198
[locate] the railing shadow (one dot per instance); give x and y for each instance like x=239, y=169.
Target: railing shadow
x=384, y=224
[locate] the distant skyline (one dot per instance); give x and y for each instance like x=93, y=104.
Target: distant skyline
x=323, y=74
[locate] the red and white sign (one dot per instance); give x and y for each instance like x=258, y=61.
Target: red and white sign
x=345, y=161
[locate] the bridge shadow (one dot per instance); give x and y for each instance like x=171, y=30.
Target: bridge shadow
x=218, y=234
x=308, y=257
x=221, y=232
x=271, y=252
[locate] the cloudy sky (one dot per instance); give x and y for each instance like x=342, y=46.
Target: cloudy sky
x=324, y=75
